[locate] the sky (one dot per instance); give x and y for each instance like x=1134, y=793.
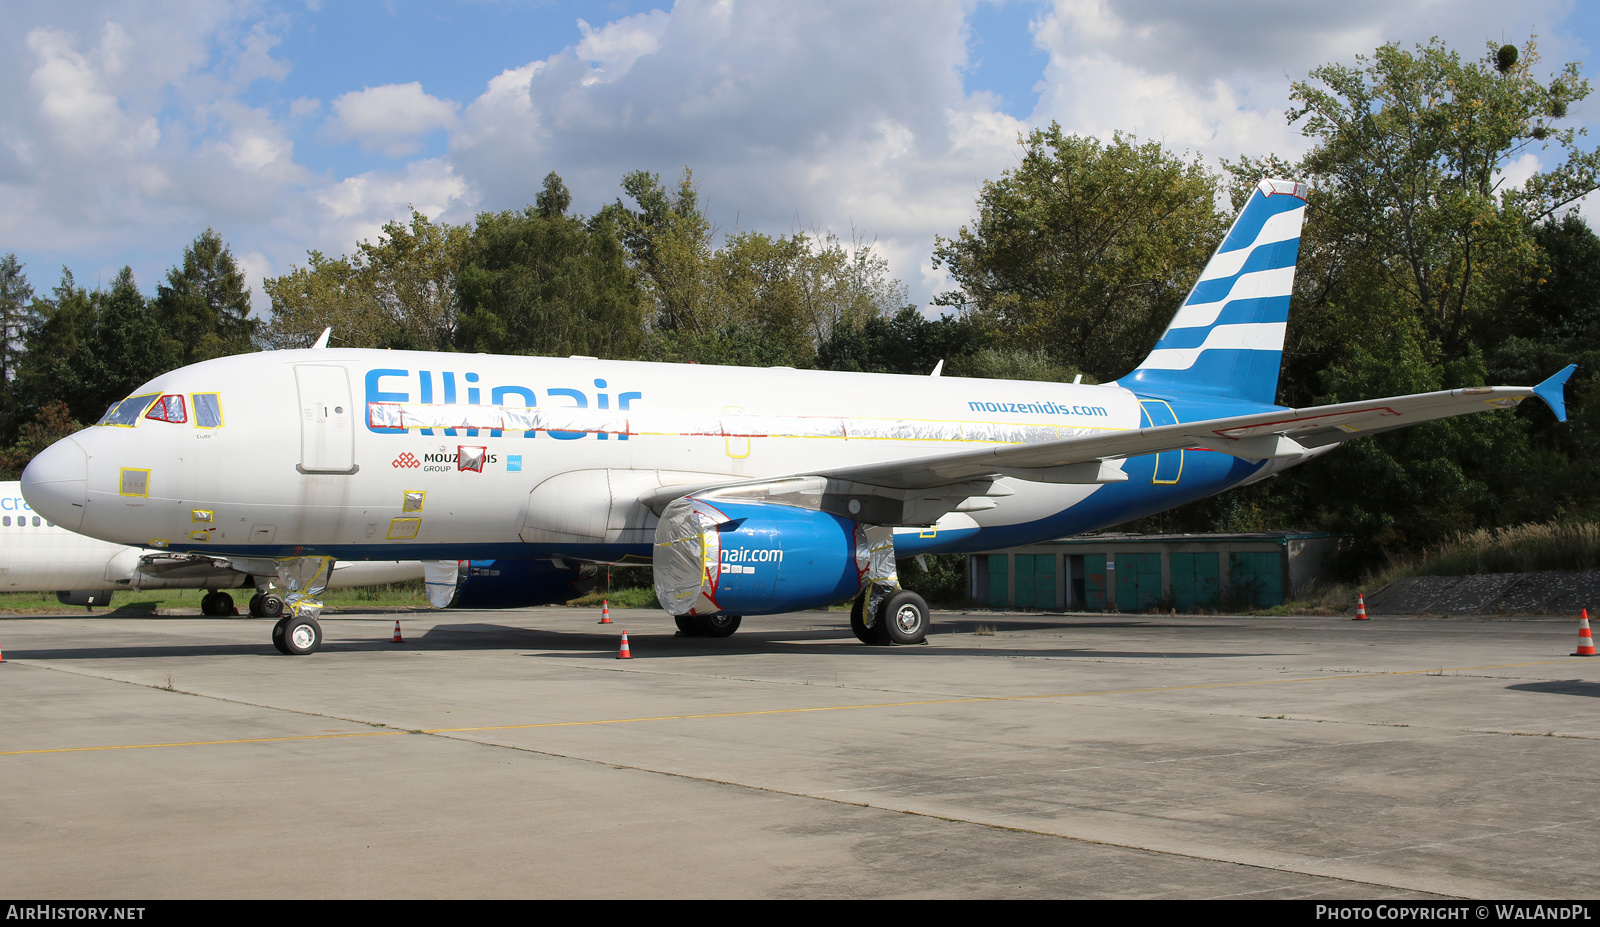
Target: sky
x=127, y=128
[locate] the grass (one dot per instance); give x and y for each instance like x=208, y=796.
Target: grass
x=393, y=595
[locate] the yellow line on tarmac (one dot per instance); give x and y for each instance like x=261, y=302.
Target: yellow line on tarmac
x=788, y=711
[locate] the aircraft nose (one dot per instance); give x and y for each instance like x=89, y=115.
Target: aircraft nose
x=56, y=483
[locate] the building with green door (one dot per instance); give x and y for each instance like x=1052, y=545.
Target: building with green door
x=1140, y=573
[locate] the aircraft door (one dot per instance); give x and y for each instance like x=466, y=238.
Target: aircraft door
x=327, y=438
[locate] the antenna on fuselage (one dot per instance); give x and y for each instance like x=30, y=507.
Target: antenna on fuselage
x=937, y=367
x=322, y=340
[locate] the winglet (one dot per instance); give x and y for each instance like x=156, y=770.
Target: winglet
x=1553, y=392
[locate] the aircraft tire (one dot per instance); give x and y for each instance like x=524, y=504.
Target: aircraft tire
x=221, y=604
x=686, y=625
x=271, y=606
x=301, y=635
x=277, y=636
x=858, y=624
x=718, y=625
x=208, y=605
x=905, y=618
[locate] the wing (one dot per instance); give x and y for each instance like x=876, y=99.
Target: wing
x=958, y=476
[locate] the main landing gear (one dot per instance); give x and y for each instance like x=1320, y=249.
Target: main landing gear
x=216, y=604
x=902, y=619
x=266, y=605
x=708, y=625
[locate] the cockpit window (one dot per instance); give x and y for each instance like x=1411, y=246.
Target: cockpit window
x=207, y=410
x=126, y=412
x=168, y=409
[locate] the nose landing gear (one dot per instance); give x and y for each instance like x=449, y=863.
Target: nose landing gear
x=297, y=635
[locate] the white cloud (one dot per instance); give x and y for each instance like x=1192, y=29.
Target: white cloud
x=128, y=126
x=389, y=118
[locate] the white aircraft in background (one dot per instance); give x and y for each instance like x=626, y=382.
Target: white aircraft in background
x=750, y=491
x=36, y=555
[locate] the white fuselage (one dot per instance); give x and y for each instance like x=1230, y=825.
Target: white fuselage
x=306, y=458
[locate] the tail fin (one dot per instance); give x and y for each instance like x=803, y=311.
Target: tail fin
x=1227, y=338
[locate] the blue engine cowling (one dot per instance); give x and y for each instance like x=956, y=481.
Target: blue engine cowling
x=520, y=583
x=754, y=558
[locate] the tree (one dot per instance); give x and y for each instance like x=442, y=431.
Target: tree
x=1409, y=162
x=16, y=299
x=16, y=310
x=670, y=242
x=1085, y=249
x=542, y=282
x=205, y=305
x=399, y=292
x=89, y=349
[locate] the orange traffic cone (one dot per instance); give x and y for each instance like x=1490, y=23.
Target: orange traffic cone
x=397, y=638
x=605, y=611
x=1361, y=608
x=623, y=654
x=1585, y=639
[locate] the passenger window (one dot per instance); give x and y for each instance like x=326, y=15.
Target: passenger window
x=6, y=521
x=36, y=521
x=126, y=413
x=168, y=409
x=207, y=410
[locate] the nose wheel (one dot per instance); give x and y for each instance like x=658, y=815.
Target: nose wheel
x=297, y=636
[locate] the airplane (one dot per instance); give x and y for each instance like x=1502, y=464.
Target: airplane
x=37, y=555
x=749, y=491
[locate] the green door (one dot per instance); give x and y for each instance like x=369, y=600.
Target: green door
x=998, y=585
x=1094, y=582
x=1138, y=582
x=1195, y=581
x=1256, y=578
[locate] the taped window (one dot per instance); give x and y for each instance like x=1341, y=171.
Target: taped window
x=207, y=410
x=134, y=482
x=169, y=409
x=126, y=413
x=470, y=458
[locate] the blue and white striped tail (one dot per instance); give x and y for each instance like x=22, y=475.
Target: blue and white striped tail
x=1227, y=338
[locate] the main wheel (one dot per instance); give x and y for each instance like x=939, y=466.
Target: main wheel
x=718, y=625
x=216, y=604
x=300, y=635
x=865, y=633
x=904, y=618
x=686, y=625
x=270, y=606
x=277, y=636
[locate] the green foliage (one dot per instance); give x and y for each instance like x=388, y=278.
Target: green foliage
x=399, y=292
x=1086, y=249
x=204, y=306
x=89, y=349
x=540, y=282
x=942, y=584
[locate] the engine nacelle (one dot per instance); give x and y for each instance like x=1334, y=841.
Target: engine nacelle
x=754, y=558
x=518, y=583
